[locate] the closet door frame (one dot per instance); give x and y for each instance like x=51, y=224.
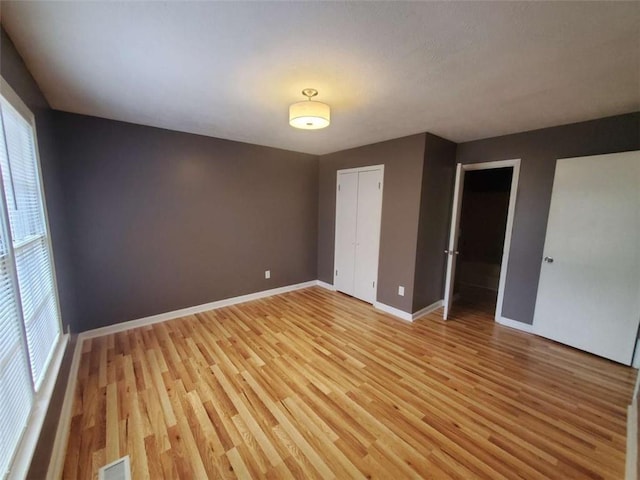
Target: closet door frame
x=367, y=168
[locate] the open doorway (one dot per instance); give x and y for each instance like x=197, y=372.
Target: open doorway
x=480, y=236
x=483, y=223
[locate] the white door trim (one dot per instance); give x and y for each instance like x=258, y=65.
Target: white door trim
x=361, y=169
x=455, y=215
x=367, y=168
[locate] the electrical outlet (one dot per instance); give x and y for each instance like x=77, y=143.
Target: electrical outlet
x=267, y=274
x=401, y=291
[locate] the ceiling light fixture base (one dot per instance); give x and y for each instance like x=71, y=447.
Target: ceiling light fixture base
x=310, y=92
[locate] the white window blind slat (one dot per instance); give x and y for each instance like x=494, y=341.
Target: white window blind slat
x=20, y=176
x=34, y=275
x=9, y=318
x=16, y=398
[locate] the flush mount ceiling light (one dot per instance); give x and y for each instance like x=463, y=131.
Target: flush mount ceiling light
x=309, y=115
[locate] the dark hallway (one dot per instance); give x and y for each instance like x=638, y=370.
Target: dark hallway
x=483, y=221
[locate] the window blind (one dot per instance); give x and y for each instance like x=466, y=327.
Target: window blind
x=16, y=392
x=29, y=318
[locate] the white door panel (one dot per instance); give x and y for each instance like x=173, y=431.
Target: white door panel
x=454, y=235
x=589, y=288
x=346, y=217
x=368, y=234
x=358, y=217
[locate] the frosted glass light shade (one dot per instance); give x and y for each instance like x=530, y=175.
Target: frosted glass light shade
x=309, y=115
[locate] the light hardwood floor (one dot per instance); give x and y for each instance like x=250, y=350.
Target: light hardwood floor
x=314, y=384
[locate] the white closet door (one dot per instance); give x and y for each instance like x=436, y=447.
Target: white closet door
x=368, y=234
x=589, y=289
x=346, y=219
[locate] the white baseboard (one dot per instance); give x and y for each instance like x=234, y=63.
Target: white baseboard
x=56, y=462
x=631, y=466
x=426, y=310
x=378, y=305
x=493, y=288
x=507, y=322
x=632, y=442
x=325, y=285
x=410, y=317
x=394, y=311
x=162, y=317
x=22, y=461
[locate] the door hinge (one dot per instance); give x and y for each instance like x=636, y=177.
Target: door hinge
x=336, y=273
x=338, y=187
x=379, y=185
x=374, y=284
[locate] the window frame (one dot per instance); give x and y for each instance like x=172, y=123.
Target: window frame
x=42, y=390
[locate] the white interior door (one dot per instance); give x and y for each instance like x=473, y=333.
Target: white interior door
x=589, y=288
x=368, y=234
x=454, y=234
x=346, y=221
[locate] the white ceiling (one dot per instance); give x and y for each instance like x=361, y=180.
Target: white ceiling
x=388, y=69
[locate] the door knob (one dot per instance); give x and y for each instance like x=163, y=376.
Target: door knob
x=548, y=259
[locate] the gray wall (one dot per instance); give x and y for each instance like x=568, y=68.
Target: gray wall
x=438, y=177
x=402, y=159
x=162, y=220
x=538, y=151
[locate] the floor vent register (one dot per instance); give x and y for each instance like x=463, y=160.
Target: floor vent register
x=118, y=470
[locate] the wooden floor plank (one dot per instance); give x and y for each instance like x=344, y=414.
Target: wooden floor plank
x=314, y=384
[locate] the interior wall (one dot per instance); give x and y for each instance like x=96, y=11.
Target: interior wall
x=538, y=151
x=438, y=175
x=162, y=220
x=402, y=159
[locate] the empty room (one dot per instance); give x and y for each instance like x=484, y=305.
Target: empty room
x=314, y=239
